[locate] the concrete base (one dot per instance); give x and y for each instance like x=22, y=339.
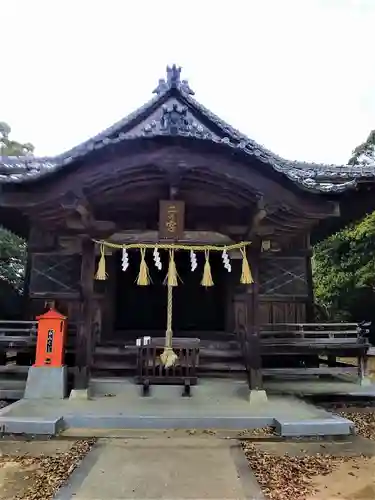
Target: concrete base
x=46, y=382
x=80, y=394
x=332, y=426
x=257, y=397
x=216, y=404
x=29, y=425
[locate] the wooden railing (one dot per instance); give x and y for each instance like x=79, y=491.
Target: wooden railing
x=325, y=341
x=14, y=333
x=151, y=371
x=319, y=335
x=17, y=342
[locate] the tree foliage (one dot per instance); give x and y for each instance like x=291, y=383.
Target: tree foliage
x=364, y=154
x=8, y=147
x=344, y=271
x=12, y=247
x=344, y=264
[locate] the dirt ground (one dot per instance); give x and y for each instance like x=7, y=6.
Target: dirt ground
x=34, y=470
x=352, y=480
x=316, y=470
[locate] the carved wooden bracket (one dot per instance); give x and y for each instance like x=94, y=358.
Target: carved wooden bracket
x=81, y=218
x=256, y=219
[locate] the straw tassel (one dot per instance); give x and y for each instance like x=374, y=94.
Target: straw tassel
x=100, y=273
x=246, y=276
x=207, y=276
x=144, y=275
x=172, y=278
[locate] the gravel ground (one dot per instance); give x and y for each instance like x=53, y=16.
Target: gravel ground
x=288, y=477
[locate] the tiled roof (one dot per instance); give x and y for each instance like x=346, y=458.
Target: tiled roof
x=188, y=118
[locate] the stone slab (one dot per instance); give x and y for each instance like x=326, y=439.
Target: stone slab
x=11, y=394
x=35, y=426
x=46, y=382
x=162, y=468
x=164, y=422
x=331, y=426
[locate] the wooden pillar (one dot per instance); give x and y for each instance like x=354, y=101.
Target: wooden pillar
x=84, y=341
x=255, y=358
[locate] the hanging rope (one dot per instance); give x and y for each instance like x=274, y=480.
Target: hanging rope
x=168, y=356
x=175, y=246
x=172, y=276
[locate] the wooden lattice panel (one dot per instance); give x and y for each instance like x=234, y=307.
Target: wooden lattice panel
x=283, y=276
x=55, y=274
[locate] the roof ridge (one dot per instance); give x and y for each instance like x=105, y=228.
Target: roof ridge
x=317, y=176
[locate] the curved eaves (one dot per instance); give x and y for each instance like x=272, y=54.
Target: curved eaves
x=20, y=170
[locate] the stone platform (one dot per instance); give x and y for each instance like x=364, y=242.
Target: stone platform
x=215, y=404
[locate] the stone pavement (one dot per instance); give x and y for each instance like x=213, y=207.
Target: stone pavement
x=163, y=468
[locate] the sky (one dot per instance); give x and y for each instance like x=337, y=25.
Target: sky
x=297, y=76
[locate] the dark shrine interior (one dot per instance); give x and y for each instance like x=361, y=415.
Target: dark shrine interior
x=195, y=308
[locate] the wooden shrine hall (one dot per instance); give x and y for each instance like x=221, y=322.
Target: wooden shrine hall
x=173, y=228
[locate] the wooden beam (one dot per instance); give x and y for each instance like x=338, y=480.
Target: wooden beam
x=99, y=226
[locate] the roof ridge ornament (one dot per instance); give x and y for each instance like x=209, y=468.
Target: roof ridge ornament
x=173, y=80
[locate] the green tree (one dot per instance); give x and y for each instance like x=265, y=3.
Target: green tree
x=8, y=147
x=12, y=247
x=344, y=271
x=364, y=154
x=344, y=264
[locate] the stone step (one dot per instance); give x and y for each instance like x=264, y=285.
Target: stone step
x=13, y=368
x=131, y=351
x=203, y=335
x=207, y=366
x=11, y=383
x=11, y=394
x=12, y=389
